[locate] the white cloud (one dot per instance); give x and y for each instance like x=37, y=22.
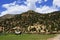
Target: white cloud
x=31, y=4
x=8, y=5
x=56, y=3
x=45, y=0
x=46, y=9
x=12, y=8
x=32, y=0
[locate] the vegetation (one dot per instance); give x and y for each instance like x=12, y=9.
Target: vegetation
x=29, y=18
x=25, y=37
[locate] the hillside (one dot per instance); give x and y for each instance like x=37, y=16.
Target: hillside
x=7, y=16
x=30, y=17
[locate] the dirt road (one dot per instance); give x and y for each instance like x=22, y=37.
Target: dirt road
x=55, y=38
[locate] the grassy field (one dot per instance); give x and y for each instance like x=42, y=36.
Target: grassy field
x=25, y=37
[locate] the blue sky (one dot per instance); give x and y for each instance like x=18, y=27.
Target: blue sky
x=48, y=3
x=19, y=6
x=4, y=2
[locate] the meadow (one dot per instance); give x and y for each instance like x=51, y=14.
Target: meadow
x=26, y=37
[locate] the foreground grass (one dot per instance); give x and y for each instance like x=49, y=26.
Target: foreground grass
x=25, y=37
